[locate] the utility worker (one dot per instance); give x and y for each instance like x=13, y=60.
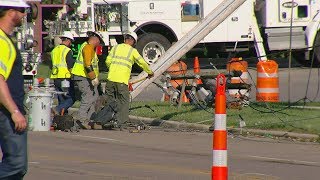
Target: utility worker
x=120, y=61
x=86, y=72
x=13, y=133
x=62, y=63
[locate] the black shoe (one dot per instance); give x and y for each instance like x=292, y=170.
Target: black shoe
x=107, y=126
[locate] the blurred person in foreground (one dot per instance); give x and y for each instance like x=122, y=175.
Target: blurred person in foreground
x=13, y=124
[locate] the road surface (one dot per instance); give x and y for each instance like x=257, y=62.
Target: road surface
x=160, y=154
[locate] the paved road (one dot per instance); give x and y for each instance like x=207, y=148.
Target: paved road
x=163, y=155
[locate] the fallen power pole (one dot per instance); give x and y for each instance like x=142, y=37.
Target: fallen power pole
x=187, y=42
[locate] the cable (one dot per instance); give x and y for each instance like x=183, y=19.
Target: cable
x=290, y=53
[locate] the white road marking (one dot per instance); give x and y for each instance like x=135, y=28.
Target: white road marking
x=33, y=162
x=284, y=160
x=101, y=138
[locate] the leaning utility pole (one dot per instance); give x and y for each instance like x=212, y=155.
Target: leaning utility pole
x=187, y=42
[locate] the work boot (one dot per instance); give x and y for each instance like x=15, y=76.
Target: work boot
x=107, y=126
x=83, y=124
x=94, y=125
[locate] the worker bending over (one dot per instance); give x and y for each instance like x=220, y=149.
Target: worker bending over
x=119, y=62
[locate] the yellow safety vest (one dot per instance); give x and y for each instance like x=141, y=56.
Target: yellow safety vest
x=120, y=61
x=78, y=68
x=59, y=63
x=7, y=56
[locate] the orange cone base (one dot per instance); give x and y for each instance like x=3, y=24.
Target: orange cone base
x=219, y=173
x=199, y=81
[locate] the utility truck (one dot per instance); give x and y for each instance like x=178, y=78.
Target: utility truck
x=257, y=25
x=26, y=43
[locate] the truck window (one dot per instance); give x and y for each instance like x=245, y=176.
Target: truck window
x=190, y=11
x=302, y=11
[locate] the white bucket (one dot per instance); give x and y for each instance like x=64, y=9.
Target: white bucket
x=40, y=111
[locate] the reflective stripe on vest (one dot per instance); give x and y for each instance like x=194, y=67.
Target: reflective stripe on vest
x=120, y=63
x=115, y=59
x=60, y=68
x=78, y=68
x=6, y=59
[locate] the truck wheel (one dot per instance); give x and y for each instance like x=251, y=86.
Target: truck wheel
x=151, y=46
x=317, y=49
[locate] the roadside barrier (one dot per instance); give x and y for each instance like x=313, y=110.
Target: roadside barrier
x=219, y=169
x=178, y=68
x=238, y=64
x=267, y=81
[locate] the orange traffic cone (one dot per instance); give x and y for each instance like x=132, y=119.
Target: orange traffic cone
x=196, y=68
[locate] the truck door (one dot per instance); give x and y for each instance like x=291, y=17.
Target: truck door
x=301, y=10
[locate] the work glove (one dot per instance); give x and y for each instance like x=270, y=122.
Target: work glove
x=95, y=82
x=150, y=75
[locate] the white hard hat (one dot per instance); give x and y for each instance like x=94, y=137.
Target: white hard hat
x=96, y=34
x=67, y=34
x=14, y=3
x=134, y=35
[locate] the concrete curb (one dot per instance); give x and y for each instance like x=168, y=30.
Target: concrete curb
x=205, y=128
x=302, y=136
x=169, y=124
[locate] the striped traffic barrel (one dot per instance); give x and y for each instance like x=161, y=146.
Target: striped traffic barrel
x=238, y=64
x=219, y=169
x=267, y=81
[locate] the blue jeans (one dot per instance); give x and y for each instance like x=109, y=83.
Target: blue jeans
x=65, y=101
x=14, y=150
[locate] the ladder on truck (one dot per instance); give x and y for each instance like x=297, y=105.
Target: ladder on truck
x=187, y=42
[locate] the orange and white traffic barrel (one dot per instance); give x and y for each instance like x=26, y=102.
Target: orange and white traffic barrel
x=238, y=64
x=267, y=81
x=219, y=169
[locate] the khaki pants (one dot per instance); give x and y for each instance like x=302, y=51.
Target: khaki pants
x=119, y=93
x=89, y=96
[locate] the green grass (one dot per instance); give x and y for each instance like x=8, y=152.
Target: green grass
x=275, y=116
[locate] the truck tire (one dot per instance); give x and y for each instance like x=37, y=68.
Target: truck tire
x=151, y=46
x=317, y=49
